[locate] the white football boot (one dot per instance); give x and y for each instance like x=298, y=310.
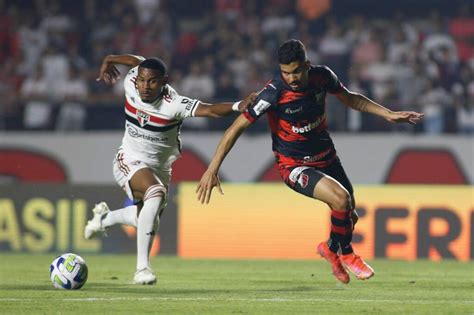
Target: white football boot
x=94, y=226
x=144, y=276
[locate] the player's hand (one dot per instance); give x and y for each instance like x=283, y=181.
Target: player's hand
x=108, y=73
x=409, y=117
x=249, y=100
x=209, y=180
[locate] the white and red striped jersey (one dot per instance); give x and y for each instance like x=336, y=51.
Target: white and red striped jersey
x=152, y=130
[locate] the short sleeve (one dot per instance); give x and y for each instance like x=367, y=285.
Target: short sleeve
x=129, y=81
x=185, y=106
x=266, y=99
x=329, y=80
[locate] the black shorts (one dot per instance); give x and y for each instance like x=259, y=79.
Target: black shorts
x=303, y=179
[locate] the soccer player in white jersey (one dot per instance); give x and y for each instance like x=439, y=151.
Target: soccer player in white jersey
x=142, y=166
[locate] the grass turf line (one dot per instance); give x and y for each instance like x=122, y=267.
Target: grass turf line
x=237, y=286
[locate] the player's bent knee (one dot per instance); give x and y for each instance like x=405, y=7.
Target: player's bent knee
x=341, y=200
x=155, y=191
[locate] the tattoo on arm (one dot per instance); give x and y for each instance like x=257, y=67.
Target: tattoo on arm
x=360, y=103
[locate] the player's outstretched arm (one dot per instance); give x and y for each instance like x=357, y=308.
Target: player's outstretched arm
x=224, y=109
x=109, y=72
x=364, y=104
x=210, y=179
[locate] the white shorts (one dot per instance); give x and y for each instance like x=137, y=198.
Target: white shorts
x=125, y=166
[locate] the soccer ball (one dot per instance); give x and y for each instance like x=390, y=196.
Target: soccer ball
x=68, y=271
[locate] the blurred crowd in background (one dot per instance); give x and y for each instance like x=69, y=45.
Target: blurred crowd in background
x=405, y=58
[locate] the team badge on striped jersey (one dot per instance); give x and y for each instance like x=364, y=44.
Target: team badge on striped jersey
x=143, y=118
x=303, y=180
x=298, y=177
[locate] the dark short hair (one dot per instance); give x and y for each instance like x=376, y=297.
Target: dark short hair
x=290, y=51
x=154, y=64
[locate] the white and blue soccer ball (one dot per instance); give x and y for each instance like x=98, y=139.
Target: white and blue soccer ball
x=68, y=271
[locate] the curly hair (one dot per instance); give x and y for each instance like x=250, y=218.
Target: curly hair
x=154, y=64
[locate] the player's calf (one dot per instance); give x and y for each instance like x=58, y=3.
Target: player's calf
x=354, y=217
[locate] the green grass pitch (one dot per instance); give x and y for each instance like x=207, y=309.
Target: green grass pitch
x=237, y=287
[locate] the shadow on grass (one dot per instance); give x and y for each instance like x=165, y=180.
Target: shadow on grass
x=125, y=288
x=26, y=287
x=222, y=290
x=115, y=289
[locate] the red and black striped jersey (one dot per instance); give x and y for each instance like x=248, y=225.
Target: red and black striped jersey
x=297, y=119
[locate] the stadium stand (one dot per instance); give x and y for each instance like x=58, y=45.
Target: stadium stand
x=51, y=50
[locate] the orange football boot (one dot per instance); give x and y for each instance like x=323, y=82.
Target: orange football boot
x=357, y=266
x=337, y=269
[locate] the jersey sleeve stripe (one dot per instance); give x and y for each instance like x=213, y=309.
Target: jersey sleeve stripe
x=193, y=109
x=249, y=117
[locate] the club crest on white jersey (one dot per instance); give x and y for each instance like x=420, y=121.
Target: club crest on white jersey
x=142, y=117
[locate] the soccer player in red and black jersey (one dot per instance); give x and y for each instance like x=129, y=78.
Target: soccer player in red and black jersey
x=294, y=102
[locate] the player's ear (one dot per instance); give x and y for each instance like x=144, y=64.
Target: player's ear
x=164, y=80
x=307, y=64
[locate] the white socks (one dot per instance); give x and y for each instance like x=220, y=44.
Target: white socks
x=126, y=216
x=148, y=223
